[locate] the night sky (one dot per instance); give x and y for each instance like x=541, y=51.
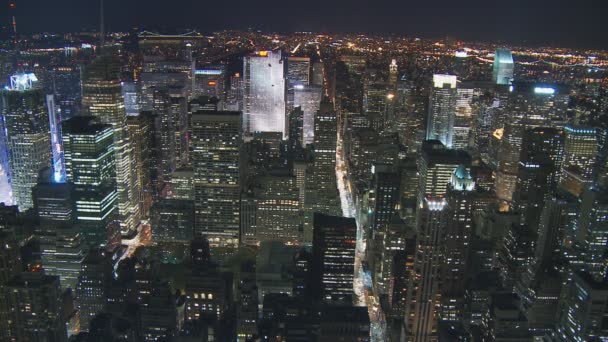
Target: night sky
x=575, y=23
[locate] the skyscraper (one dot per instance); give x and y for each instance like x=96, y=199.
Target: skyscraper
x=583, y=308
x=460, y=200
x=33, y=300
x=333, y=251
x=216, y=161
x=436, y=167
x=55, y=118
x=322, y=194
x=278, y=209
x=527, y=106
x=102, y=98
x=172, y=221
x=264, y=84
x=90, y=166
x=140, y=131
x=442, y=109
x=308, y=98
x=26, y=125
x=581, y=147
x=502, y=72
x=538, y=172
x=61, y=243
x=95, y=276
x=298, y=70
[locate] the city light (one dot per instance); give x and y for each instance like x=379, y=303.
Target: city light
x=544, y=90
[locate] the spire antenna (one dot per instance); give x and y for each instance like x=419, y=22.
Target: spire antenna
x=102, y=31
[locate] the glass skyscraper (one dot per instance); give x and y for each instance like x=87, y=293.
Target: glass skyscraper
x=308, y=98
x=28, y=142
x=91, y=167
x=442, y=109
x=502, y=72
x=102, y=98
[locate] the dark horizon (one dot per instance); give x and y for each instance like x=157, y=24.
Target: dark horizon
x=515, y=22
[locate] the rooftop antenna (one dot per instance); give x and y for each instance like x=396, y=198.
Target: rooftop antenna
x=13, y=6
x=102, y=31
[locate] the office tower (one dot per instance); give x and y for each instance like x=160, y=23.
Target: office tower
x=325, y=197
x=296, y=130
x=516, y=257
x=161, y=73
x=333, y=250
x=210, y=81
x=140, y=131
x=436, y=166
x=6, y=193
x=26, y=125
x=172, y=221
x=393, y=74
x=179, y=115
x=247, y=303
x=61, y=243
x=299, y=171
x=181, y=184
x=171, y=125
x=592, y=232
x=249, y=208
x=234, y=93
x=53, y=202
x=63, y=250
x=64, y=83
x=215, y=139
x=581, y=150
x=278, y=209
x=275, y=264
x=102, y=98
x=264, y=92
x=308, y=98
x=555, y=230
x=206, y=293
x=375, y=104
x=298, y=70
x=502, y=71
x=90, y=166
x=383, y=198
x=463, y=118
x=582, y=308
x=543, y=312
x=401, y=270
x=33, y=303
x=95, y=275
x=317, y=75
x=460, y=200
x=361, y=147
x=131, y=96
x=384, y=194
x=392, y=238
x=55, y=119
x=161, y=314
x=527, y=106
x=506, y=319
x=408, y=198
x=442, y=109
x=538, y=172
x=422, y=308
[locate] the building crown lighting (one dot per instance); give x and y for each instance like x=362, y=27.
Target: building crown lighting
x=21, y=82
